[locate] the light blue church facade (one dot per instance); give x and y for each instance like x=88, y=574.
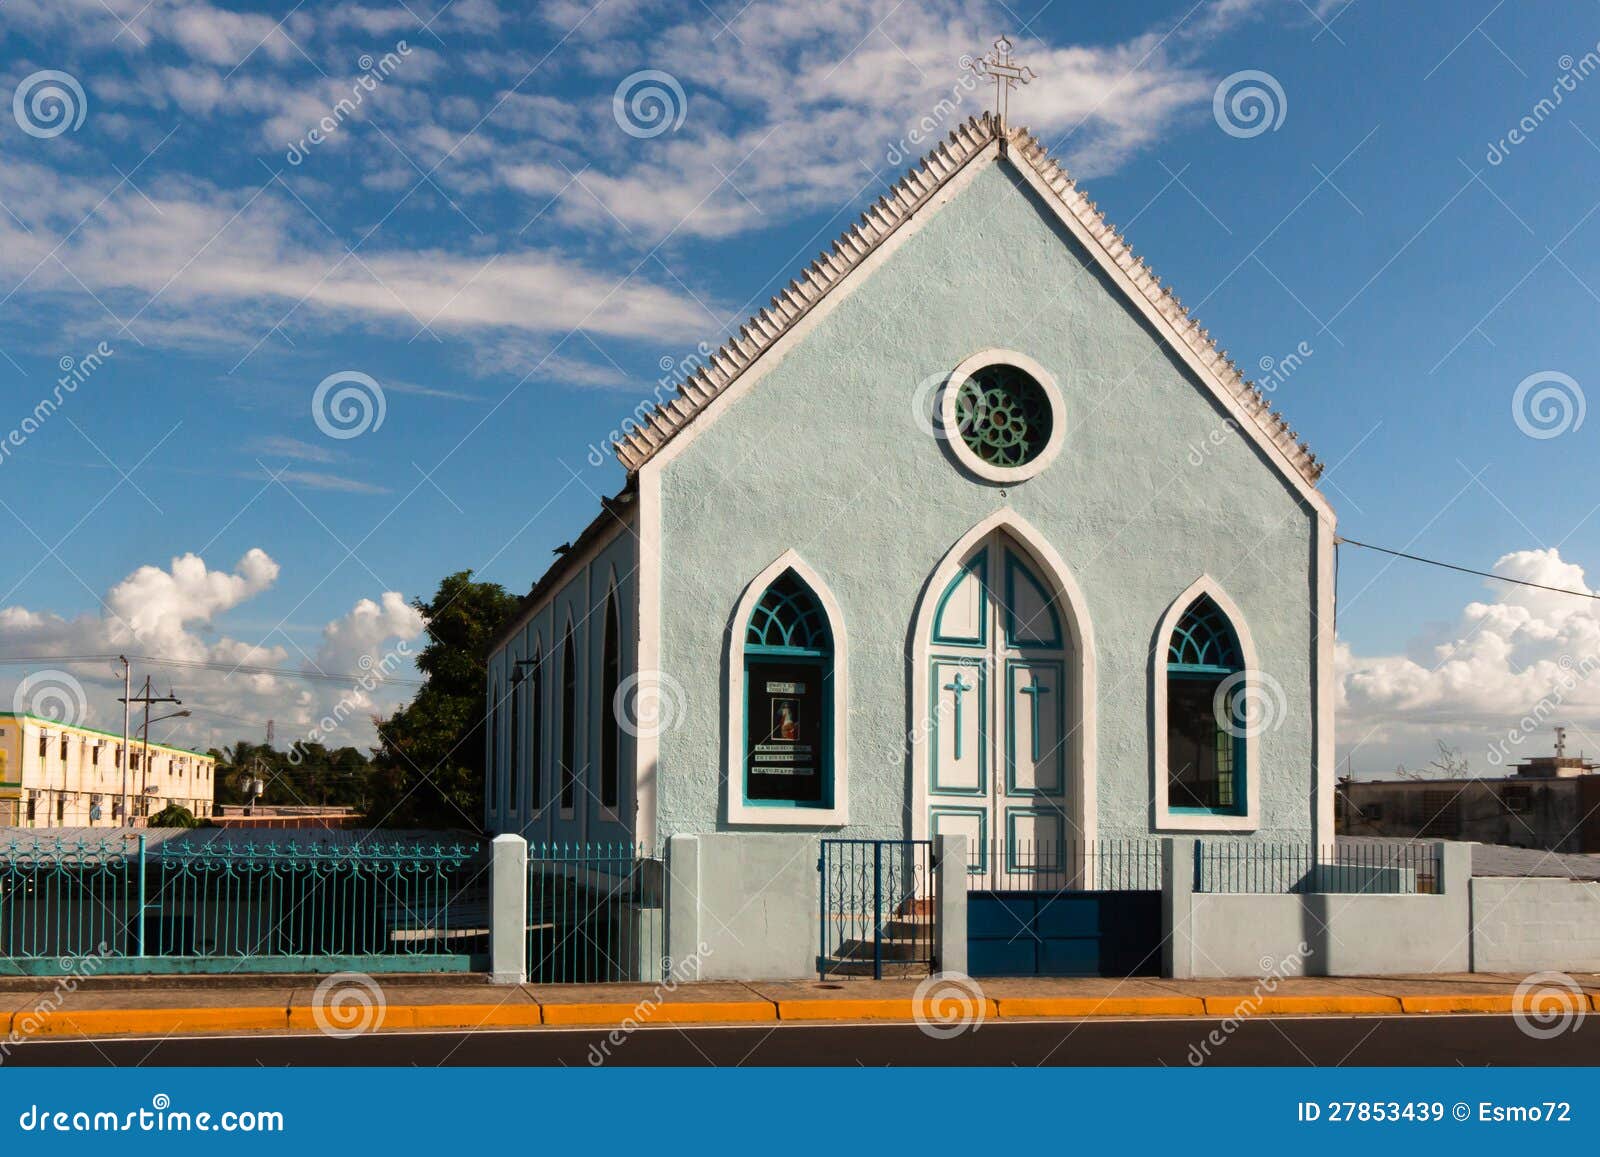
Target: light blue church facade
x=973, y=530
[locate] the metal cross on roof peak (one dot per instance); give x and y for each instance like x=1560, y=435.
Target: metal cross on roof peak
x=1006, y=74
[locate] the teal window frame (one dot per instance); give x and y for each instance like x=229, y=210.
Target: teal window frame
x=821, y=658
x=1204, y=632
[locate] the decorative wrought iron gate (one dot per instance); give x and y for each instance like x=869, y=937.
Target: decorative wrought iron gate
x=877, y=908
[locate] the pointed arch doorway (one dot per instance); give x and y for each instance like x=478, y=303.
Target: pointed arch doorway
x=1005, y=690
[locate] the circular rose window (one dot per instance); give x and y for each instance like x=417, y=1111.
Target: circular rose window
x=1003, y=415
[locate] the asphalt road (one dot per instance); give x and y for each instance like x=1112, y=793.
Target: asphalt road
x=1336, y=1041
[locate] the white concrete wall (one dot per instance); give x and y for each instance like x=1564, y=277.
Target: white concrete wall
x=1319, y=934
x=1535, y=925
x=744, y=905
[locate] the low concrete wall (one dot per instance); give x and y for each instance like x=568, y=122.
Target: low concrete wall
x=743, y=906
x=1535, y=925
x=1317, y=934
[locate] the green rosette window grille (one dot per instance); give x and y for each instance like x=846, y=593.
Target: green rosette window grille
x=1003, y=415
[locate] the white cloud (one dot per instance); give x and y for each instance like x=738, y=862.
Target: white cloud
x=1524, y=655
x=172, y=614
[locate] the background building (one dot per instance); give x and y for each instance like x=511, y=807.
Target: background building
x=1552, y=803
x=55, y=775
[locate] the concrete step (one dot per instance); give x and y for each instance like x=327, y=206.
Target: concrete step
x=892, y=969
x=892, y=949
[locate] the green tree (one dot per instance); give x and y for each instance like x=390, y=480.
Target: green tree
x=175, y=816
x=429, y=767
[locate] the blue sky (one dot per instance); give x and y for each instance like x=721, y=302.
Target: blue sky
x=483, y=237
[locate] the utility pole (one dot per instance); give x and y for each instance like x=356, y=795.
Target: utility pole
x=145, y=698
x=122, y=756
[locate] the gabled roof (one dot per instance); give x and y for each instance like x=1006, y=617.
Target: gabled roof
x=700, y=388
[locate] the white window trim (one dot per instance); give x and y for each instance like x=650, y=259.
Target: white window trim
x=1167, y=820
x=1082, y=809
x=745, y=814
x=951, y=435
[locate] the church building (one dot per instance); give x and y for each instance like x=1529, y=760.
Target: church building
x=973, y=530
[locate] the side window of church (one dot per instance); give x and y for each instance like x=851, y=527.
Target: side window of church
x=788, y=690
x=1205, y=751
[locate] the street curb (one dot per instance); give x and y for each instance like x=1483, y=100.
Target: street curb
x=151, y=1021
x=1237, y=1007
x=1075, y=1006
x=904, y=1008
x=26, y=1025
x=641, y=1014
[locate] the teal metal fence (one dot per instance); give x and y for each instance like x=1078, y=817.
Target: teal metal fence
x=221, y=905
x=1375, y=868
x=596, y=912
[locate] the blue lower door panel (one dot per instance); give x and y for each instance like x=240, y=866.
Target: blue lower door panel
x=1063, y=933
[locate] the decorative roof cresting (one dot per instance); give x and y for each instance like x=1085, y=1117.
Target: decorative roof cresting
x=877, y=224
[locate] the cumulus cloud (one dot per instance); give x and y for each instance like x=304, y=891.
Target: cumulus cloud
x=174, y=614
x=1493, y=683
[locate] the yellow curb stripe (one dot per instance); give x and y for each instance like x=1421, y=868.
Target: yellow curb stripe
x=903, y=1009
x=1445, y=1002
x=1100, y=1006
x=685, y=1012
x=1279, y=1005
x=148, y=1021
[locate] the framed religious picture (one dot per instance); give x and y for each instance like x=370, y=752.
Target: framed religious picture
x=785, y=731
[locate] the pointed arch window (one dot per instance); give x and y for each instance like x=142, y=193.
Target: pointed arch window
x=535, y=682
x=491, y=794
x=1205, y=740
x=569, y=724
x=514, y=761
x=789, y=711
x=610, y=724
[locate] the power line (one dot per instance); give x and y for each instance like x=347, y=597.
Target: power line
x=1338, y=539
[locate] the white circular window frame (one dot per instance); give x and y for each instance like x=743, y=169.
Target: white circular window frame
x=964, y=454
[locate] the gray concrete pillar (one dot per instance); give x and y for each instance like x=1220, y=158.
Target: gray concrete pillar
x=508, y=910
x=683, y=906
x=1177, y=906
x=950, y=915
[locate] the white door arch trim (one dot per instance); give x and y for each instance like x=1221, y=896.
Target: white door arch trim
x=1068, y=597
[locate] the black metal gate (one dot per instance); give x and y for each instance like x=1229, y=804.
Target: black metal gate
x=1064, y=933
x=877, y=908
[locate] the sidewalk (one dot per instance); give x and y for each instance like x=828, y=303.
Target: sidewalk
x=167, y=1006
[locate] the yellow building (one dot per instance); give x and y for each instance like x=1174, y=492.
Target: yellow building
x=55, y=775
